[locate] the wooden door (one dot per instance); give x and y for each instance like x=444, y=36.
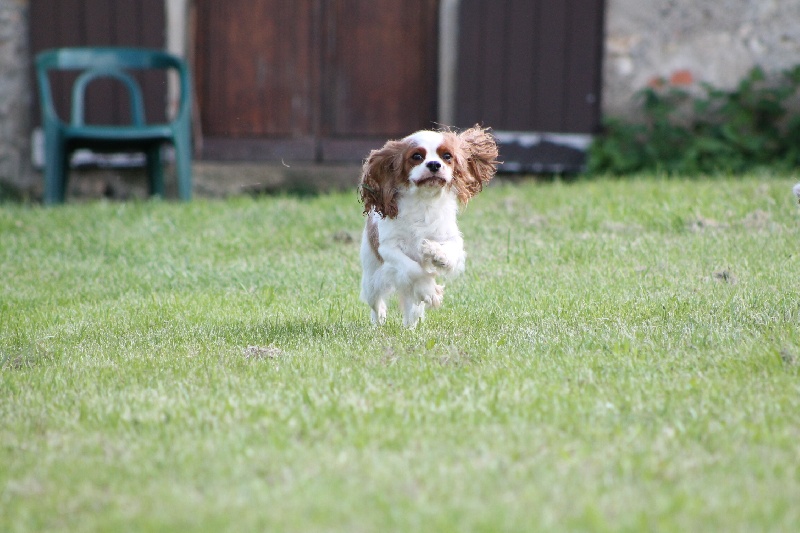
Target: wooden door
x=256, y=77
x=532, y=66
x=313, y=79
x=381, y=66
x=58, y=23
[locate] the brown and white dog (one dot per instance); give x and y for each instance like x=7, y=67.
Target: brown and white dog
x=411, y=190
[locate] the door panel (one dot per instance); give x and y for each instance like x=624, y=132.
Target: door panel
x=256, y=68
x=317, y=79
x=58, y=23
x=530, y=65
x=381, y=68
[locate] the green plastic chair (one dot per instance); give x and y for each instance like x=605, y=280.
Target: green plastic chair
x=61, y=139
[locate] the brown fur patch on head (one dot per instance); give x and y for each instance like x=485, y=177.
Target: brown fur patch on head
x=381, y=176
x=450, y=145
x=477, y=163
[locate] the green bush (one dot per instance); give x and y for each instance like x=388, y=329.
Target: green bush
x=706, y=131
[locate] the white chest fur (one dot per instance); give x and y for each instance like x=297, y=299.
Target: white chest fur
x=420, y=217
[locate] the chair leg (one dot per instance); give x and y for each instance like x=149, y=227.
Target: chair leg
x=183, y=166
x=155, y=171
x=56, y=169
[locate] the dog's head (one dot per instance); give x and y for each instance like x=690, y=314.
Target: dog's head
x=428, y=161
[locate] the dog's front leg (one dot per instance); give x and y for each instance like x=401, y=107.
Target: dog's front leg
x=410, y=277
x=447, y=258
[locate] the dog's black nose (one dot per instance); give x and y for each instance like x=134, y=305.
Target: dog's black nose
x=433, y=166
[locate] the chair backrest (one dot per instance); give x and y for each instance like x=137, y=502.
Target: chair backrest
x=107, y=62
x=134, y=93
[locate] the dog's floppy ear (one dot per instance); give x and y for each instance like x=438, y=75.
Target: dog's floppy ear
x=380, y=177
x=480, y=150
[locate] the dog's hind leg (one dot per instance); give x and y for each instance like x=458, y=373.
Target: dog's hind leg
x=413, y=310
x=374, y=291
x=376, y=286
x=378, y=314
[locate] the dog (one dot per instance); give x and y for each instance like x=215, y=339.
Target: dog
x=412, y=190
x=796, y=190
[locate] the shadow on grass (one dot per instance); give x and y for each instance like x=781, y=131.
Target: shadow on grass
x=11, y=194
x=27, y=357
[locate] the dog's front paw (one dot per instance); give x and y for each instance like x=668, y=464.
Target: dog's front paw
x=429, y=294
x=437, y=297
x=433, y=254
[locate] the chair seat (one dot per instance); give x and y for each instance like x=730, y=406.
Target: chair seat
x=150, y=132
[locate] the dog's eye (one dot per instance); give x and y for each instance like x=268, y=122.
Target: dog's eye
x=417, y=157
x=447, y=156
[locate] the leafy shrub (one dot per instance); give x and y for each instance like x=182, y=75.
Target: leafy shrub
x=710, y=130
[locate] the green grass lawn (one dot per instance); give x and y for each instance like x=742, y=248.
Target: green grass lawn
x=620, y=355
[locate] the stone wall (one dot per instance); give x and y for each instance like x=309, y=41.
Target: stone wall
x=687, y=41
x=16, y=94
